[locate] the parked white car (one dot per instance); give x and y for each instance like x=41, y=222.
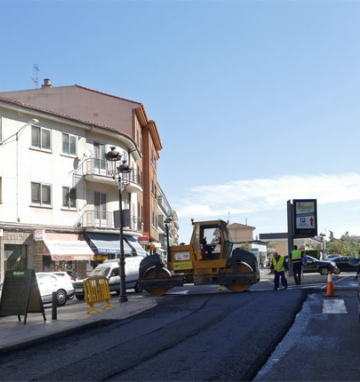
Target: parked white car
x=62, y=274
x=50, y=282
x=111, y=270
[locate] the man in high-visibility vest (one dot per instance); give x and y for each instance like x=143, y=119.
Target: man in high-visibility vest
x=279, y=266
x=296, y=262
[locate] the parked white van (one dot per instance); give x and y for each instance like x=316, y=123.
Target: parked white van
x=111, y=270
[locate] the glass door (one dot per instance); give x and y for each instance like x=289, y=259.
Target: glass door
x=99, y=158
x=100, y=209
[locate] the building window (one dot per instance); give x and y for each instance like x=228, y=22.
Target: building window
x=100, y=208
x=154, y=219
x=41, y=194
x=69, y=197
x=69, y=144
x=152, y=187
x=99, y=157
x=40, y=138
x=15, y=257
x=0, y=189
x=152, y=156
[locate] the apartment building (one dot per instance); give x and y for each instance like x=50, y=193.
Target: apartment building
x=58, y=198
x=122, y=115
x=167, y=225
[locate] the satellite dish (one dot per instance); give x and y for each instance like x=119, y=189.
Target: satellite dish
x=88, y=153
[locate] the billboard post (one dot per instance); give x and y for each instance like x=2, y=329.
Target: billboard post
x=290, y=221
x=302, y=222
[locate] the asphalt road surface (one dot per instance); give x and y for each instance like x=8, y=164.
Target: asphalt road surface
x=259, y=335
x=217, y=337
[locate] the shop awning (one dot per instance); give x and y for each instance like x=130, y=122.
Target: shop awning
x=67, y=247
x=107, y=243
x=133, y=242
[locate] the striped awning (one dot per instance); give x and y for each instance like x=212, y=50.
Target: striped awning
x=67, y=247
x=133, y=242
x=107, y=243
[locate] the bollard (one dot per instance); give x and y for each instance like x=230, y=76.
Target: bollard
x=54, y=306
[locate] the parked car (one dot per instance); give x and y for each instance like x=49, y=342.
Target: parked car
x=321, y=266
x=111, y=270
x=343, y=264
x=62, y=274
x=49, y=282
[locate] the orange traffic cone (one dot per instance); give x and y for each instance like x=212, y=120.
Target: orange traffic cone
x=330, y=286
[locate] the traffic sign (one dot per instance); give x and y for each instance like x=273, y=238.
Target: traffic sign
x=144, y=239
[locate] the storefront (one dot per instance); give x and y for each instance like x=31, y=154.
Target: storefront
x=106, y=246
x=66, y=252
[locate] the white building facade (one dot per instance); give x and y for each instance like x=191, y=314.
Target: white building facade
x=57, y=195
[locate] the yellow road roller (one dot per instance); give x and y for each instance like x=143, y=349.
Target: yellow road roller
x=209, y=259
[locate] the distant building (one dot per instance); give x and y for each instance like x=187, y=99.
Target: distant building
x=243, y=234
x=279, y=242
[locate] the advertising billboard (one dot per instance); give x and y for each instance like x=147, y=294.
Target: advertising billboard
x=305, y=218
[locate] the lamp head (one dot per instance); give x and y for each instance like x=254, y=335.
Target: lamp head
x=33, y=121
x=113, y=155
x=124, y=168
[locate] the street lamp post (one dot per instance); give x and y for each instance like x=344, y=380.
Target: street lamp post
x=167, y=222
x=323, y=246
x=114, y=156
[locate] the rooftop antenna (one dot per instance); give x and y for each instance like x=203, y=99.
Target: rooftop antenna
x=36, y=79
x=228, y=217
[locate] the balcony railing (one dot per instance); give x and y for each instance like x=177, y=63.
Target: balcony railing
x=98, y=170
x=164, y=205
x=96, y=219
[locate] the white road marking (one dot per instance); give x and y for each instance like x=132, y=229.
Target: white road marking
x=179, y=292
x=334, y=306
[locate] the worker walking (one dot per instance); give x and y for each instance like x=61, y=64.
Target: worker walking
x=296, y=262
x=279, y=266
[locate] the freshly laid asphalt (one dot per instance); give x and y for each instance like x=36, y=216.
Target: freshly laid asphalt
x=14, y=334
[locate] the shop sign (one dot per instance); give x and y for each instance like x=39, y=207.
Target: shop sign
x=39, y=234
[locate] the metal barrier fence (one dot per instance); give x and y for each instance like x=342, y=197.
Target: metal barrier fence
x=97, y=290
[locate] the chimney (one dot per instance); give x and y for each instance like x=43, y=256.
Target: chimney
x=47, y=83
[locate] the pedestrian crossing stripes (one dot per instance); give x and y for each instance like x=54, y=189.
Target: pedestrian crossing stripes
x=334, y=306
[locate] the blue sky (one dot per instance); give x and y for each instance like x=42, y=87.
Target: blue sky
x=256, y=102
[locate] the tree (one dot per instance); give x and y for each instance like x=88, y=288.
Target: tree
x=346, y=246
x=336, y=247
x=246, y=246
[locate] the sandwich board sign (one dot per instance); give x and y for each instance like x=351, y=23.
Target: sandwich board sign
x=20, y=294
